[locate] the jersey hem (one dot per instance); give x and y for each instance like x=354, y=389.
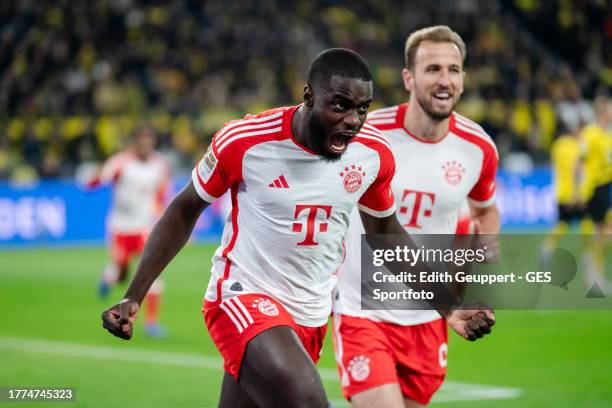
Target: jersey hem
x=398, y=322
x=308, y=322
x=482, y=204
x=377, y=214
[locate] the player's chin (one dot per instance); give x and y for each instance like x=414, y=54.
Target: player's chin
x=331, y=155
x=440, y=114
x=441, y=110
x=334, y=153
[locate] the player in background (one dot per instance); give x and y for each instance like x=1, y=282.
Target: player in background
x=140, y=179
x=566, y=157
x=566, y=160
x=295, y=175
x=397, y=358
x=595, y=189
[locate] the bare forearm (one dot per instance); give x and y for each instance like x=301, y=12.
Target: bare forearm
x=167, y=238
x=489, y=219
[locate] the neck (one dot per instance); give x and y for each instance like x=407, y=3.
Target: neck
x=299, y=127
x=418, y=122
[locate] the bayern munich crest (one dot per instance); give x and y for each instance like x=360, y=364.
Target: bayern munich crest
x=265, y=306
x=352, y=178
x=359, y=367
x=453, y=172
x=442, y=355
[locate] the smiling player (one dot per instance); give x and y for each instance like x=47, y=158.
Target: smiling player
x=397, y=358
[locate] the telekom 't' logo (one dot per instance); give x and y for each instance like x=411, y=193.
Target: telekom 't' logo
x=419, y=206
x=310, y=221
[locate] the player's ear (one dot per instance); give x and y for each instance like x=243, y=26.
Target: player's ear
x=408, y=79
x=308, y=96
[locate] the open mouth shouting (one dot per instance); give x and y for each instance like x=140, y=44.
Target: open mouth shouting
x=338, y=141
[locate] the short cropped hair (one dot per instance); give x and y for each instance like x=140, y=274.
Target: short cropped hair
x=337, y=62
x=438, y=34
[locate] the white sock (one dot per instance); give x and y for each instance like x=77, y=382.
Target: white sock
x=110, y=274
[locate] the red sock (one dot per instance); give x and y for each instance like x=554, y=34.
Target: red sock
x=152, y=307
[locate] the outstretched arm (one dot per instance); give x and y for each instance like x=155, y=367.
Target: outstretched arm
x=472, y=323
x=167, y=238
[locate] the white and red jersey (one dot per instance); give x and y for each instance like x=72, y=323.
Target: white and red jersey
x=290, y=209
x=432, y=182
x=139, y=188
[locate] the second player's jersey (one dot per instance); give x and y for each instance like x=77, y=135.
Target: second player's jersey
x=290, y=210
x=432, y=182
x=597, y=158
x=138, y=191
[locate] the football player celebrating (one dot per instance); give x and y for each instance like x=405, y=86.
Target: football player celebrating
x=295, y=174
x=397, y=358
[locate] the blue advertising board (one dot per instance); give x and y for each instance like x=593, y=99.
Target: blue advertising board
x=526, y=201
x=63, y=212
x=52, y=211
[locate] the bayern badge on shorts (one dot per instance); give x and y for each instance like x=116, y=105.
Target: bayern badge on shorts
x=359, y=367
x=352, y=178
x=442, y=355
x=453, y=172
x=265, y=306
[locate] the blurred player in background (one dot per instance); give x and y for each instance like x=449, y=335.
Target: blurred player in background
x=597, y=139
x=140, y=179
x=567, y=162
x=397, y=358
x=566, y=156
x=595, y=189
x=295, y=175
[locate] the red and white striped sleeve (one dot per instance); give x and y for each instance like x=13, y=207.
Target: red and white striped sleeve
x=163, y=186
x=113, y=166
x=482, y=194
x=221, y=166
x=378, y=200
x=212, y=176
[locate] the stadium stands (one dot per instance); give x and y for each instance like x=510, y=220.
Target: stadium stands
x=75, y=76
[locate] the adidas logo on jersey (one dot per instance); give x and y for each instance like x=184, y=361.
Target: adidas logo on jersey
x=279, y=183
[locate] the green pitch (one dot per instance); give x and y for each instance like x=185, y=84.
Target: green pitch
x=51, y=335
